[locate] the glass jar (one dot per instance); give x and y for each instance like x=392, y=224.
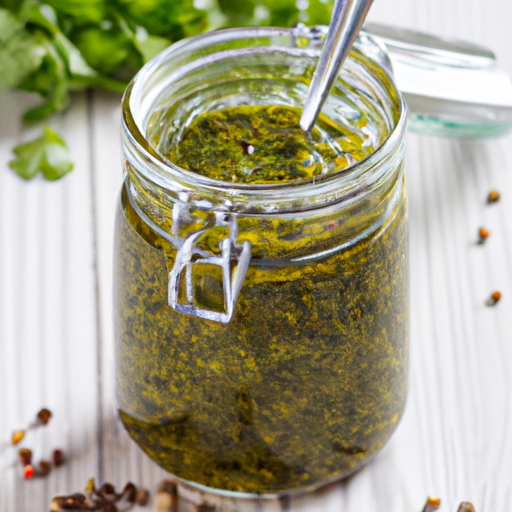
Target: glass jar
x=261, y=330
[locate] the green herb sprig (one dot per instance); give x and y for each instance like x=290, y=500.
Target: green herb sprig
x=52, y=47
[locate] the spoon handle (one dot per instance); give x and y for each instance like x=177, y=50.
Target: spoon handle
x=347, y=18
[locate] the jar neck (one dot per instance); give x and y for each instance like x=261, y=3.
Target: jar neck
x=178, y=75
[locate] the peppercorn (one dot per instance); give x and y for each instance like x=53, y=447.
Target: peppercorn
x=44, y=467
x=432, y=504
x=130, y=491
x=57, y=504
x=493, y=298
x=44, y=416
x=493, y=196
x=28, y=472
x=17, y=436
x=466, y=506
x=483, y=233
x=142, y=497
x=107, y=489
x=25, y=456
x=58, y=457
x=75, y=501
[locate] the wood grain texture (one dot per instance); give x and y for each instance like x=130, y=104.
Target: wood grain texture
x=56, y=342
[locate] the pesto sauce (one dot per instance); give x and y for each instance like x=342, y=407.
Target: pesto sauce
x=308, y=380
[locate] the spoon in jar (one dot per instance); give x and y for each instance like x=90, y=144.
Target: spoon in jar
x=347, y=18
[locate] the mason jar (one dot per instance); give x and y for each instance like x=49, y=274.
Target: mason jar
x=261, y=329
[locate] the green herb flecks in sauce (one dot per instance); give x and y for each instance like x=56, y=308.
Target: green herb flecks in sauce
x=308, y=380
x=264, y=144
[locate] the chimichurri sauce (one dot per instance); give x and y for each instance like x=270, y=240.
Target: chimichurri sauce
x=308, y=379
x=264, y=144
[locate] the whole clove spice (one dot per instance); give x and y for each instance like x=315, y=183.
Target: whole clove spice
x=130, y=491
x=44, y=467
x=25, y=456
x=43, y=416
x=104, y=499
x=58, y=457
x=107, y=489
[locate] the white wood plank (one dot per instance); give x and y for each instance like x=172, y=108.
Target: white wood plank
x=47, y=349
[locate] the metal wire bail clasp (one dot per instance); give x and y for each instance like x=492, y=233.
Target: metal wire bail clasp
x=233, y=260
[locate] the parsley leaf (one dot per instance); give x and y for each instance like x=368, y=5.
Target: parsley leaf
x=50, y=47
x=48, y=154
x=20, y=52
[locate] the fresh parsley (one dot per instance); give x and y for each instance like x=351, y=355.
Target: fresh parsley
x=48, y=154
x=51, y=47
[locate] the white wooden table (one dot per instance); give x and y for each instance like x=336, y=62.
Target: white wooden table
x=455, y=440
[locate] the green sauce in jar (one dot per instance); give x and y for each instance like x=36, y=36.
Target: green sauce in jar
x=264, y=144
x=307, y=380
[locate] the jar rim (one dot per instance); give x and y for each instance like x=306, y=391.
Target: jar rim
x=165, y=174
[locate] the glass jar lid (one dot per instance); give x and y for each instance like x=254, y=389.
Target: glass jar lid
x=452, y=88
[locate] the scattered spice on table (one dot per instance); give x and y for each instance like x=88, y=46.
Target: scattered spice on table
x=495, y=297
x=42, y=419
x=142, y=497
x=44, y=416
x=44, y=468
x=466, y=506
x=104, y=499
x=28, y=472
x=167, y=497
x=58, y=457
x=130, y=491
x=17, y=437
x=25, y=456
x=432, y=504
x=483, y=233
x=493, y=196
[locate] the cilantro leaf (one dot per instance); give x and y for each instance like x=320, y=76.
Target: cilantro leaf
x=48, y=154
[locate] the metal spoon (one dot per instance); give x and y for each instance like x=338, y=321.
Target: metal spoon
x=347, y=18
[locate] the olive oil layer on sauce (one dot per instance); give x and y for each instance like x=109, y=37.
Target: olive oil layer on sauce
x=308, y=380
x=264, y=144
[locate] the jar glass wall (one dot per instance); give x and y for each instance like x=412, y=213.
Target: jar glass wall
x=261, y=330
